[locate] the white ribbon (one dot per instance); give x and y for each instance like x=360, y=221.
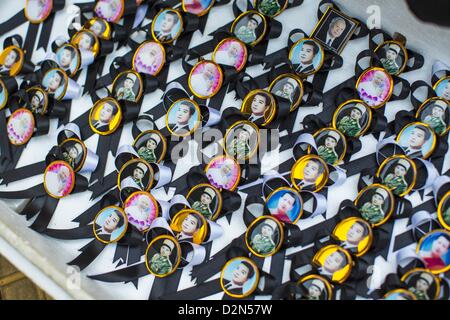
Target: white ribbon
x=438, y=183
x=214, y=117
x=73, y=90
x=163, y=175
x=321, y=203
x=193, y=257
x=432, y=173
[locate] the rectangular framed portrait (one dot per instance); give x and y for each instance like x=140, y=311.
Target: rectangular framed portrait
x=334, y=30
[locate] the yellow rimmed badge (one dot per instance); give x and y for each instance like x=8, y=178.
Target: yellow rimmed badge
x=310, y=173
x=242, y=140
x=163, y=256
x=59, y=179
x=417, y=139
x=355, y=235
x=331, y=145
x=20, y=126
x=398, y=173
x=86, y=40
x=151, y=146
x=206, y=199
x=105, y=116
x=288, y=86
x=442, y=88
x=433, y=250
x=375, y=204
x=149, y=58
x=197, y=7
x=285, y=204
x=223, y=172
x=37, y=11
x=306, y=57
x=129, y=175
x=100, y=27
x=333, y=262
x=231, y=52
x=443, y=211
x=189, y=225
x=374, y=86
x=239, y=277
x=399, y=294
x=318, y=287
x=11, y=60
x=38, y=100
x=205, y=79
x=74, y=152
x=247, y=27
x=183, y=117
x=393, y=51
x=422, y=283
x=435, y=112
x=110, y=224
x=55, y=82
x=264, y=236
x=261, y=107
x=353, y=118
x=124, y=86
x=167, y=26
x=141, y=209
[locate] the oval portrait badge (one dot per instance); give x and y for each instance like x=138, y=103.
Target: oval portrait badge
x=20, y=126
x=239, y=277
x=309, y=173
x=223, y=173
x=59, y=179
x=374, y=87
x=110, y=224
x=163, y=256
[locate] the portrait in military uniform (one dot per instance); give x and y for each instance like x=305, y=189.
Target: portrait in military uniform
x=249, y=28
x=309, y=173
x=264, y=236
x=167, y=26
x=38, y=100
x=317, y=288
x=444, y=211
x=374, y=204
x=287, y=87
x=422, y=284
x=260, y=105
x=306, y=56
x=418, y=140
x=442, y=88
x=73, y=152
x=392, y=57
x=285, y=204
x=271, y=8
x=239, y=277
x=352, y=118
x=334, y=30
x=183, y=117
x=189, y=225
x=435, y=113
x=241, y=140
x=127, y=86
x=398, y=174
x=136, y=174
x=205, y=199
x=331, y=145
x=163, y=256
x=354, y=235
x=151, y=146
x=110, y=224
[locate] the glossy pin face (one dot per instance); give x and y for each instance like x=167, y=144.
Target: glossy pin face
x=100, y=27
x=197, y=7
x=189, y=225
x=163, y=256
x=239, y=277
x=149, y=58
x=374, y=87
x=55, y=82
x=352, y=118
x=205, y=79
x=334, y=263
x=317, y=287
x=435, y=113
x=442, y=88
x=37, y=100
x=68, y=58
x=433, y=251
x=306, y=56
x=285, y=204
x=393, y=56
x=128, y=86
x=417, y=139
x=141, y=209
x=375, y=204
x=399, y=294
x=398, y=173
x=231, y=52
x=36, y=11
x=205, y=199
x=11, y=61
x=288, y=86
x=242, y=140
x=260, y=106
x=183, y=117
x=86, y=40
x=310, y=173
x=110, y=10
x=105, y=116
x=250, y=27
x=331, y=145
x=167, y=26
x=271, y=8
x=223, y=173
x=422, y=283
x=74, y=152
x=354, y=234
x=264, y=236
x=151, y=146
x=20, y=126
x=110, y=224
x=59, y=179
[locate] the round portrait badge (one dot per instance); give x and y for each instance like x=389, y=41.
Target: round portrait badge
x=205, y=79
x=306, y=56
x=309, y=173
x=422, y=283
x=86, y=40
x=163, y=256
x=74, y=152
x=189, y=225
x=352, y=118
x=38, y=100
x=59, y=179
x=3, y=94
x=68, y=58
x=271, y=8
x=334, y=263
x=433, y=251
x=110, y=10
x=239, y=277
x=285, y=204
x=105, y=116
x=393, y=56
x=36, y=11
x=110, y=224
x=183, y=117
x=417, y=139
x=151, y=146
x=354, y=234
x=230, y=52
x=261, y=107
x=223, y=172
x=141, y=209
x=167, y=26
x=435, y=113
x=128, y=85
x=331, y=145
x=11, y=60
x=205, y=199
x=443, y=211
x=374, y=87
x=135, y=173
x=250, y=27
x=317, y=287
x=399, y=294
x=100, y=27
x=197, y=7
x=288, y=86
x=55, y=82
x=375, y=204
x=149, y=58
x=20, y=126
x=398, y=173
x=442, y=88
x=242, y=140
x=264, y=236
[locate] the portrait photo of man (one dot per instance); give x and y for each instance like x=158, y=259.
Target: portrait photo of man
x=112, y=220
x=106, y=115
x=243, y=273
